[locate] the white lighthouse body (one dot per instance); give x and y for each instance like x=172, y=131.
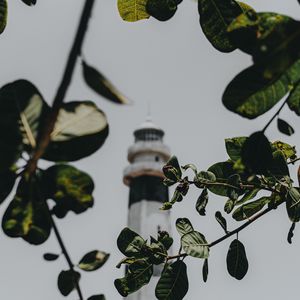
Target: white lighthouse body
x=144, y=177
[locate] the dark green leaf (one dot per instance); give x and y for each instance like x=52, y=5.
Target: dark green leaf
x=165, y=239
x=202, y=202
x=205, y=270
x=234, y=147
x=293, y=204
x=173, y=283
x=204, y=177
x=29, y=2
x=291, y=233
x=257, y=153
x=130, y=243
x=80, y=130
x=237, y=263
x=248, y=196
x=229, y=206
x=70, y=188
x=97, y=297
x=183, y=187
x=279, y=167
x=252, y=93
x=285, y=127
x=50, y=256
x=195, y=244
x=27, y=215
x=3, y=15
x=156, y=252
x=183, y=226
x=93, y=260
x=22, y=110
x=222, y=172
x=293, y=100
x=162, y=10
x=221, y=220
x=67, y=281
x=101, y=85
x=133, y=10
x=172, y=169
x=215, y=17
x=249, y=209
x=138, y=274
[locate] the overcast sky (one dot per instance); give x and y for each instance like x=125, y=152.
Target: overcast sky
x=172, y=66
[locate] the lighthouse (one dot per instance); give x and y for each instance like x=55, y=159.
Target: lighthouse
x=144, y=177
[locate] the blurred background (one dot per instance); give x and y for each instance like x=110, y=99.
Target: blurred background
x=172, y=67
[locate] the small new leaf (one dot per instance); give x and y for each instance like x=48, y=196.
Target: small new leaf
x=50, y=256
x=221, y=220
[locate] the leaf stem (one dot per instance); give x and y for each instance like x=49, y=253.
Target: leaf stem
x=50, y=121
x=65, y=252
x=229, y=234
x=275, y=115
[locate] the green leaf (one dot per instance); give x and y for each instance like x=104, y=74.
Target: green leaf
x=67, y=281
x=222, y=171
x=80, y=130
x=97, y=297
x=156, y=252
x=162, y=10
x=172, y=169
x=204, y=177
x=70, y=188
x=195, y=244
x=190, y=166
x=3, y=15
x=202, y=202
x=257, y=153
x=101, y=85
x=279, y=167
x=249, y=209
x=130, y=243
x=237, y=263
x=138, y=274
x=221, y=220
x=183, y=226
x=234, y=147
x=164, y=238
x=133, y=10
x=93, y=260
x=173, y=283
x=252, y=92
x=22, y=110
x=27, y=215
x=205, y=270
x=293, y=100
x=50, y=256
x=291, y=233
x=285, y=127
x=29, y=2
x=293, y=204
x=229, y=205
x=7, y=182
x=248, y=196
x=287, y=150
x=215, y=17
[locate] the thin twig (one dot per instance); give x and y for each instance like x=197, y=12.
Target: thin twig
x=293, y=160
x=50, y=121
x=276, y=114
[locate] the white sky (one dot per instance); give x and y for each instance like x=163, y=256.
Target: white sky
x=172, y=66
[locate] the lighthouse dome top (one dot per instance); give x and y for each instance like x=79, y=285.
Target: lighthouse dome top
x=148, y=131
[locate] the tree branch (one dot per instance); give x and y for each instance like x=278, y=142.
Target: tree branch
x=45, y=135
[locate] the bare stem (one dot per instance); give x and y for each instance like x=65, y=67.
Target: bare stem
x=75, y=52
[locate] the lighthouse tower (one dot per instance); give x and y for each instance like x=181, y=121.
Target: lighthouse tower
x=147, y=192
